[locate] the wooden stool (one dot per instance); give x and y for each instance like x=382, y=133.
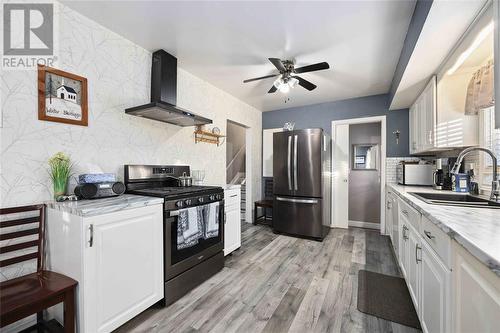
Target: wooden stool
x=262, y=219
x=29, y=294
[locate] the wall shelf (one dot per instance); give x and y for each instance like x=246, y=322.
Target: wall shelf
x=201, y=135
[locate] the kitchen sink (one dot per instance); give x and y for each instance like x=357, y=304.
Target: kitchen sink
x=461, y=200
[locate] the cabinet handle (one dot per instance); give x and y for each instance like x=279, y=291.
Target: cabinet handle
x=388, y=205
x=225, y=218
x=404, y=232
x=417, y=247
x=429, y=235
x=91, y=238
x=234, y=195
x=405, y=212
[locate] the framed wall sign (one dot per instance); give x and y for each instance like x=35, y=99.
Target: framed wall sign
x=62, y=97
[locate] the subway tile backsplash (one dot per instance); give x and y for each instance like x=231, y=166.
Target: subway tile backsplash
x=390, y=167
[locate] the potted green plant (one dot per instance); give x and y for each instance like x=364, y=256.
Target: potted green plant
x=60, y=171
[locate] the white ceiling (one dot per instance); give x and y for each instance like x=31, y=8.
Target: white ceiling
x=227, y=42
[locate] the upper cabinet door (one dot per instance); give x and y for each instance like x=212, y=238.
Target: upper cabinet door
x=423, y=120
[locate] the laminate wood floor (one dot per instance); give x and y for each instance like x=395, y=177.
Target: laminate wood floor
x=276, y=283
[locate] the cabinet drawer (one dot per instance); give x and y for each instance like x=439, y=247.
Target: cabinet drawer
x=439, y=241
x=410, y=213
x=232, y=197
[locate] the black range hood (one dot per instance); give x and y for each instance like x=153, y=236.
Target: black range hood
x=164, y=95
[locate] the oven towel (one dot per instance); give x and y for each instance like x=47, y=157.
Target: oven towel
x=211, y=220
x=188, y=227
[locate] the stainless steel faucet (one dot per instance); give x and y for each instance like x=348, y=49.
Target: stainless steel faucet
x=495, y=184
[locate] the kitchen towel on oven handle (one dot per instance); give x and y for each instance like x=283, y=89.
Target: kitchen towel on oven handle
x=211, y=219
x=189, y=227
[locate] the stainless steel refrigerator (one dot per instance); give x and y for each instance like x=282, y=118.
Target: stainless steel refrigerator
x=302, y=183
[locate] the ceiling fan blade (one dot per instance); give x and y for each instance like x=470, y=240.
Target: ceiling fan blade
x=260, y=78
x=304, y=83
x=312, y=68
x=278, y=64
x=273, y=89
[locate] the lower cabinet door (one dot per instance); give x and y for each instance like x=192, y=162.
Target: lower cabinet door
x=476, y=294
x=123, y=266
x=414, y=266
x=403, y=247
x=435, y=299
x=232, y=231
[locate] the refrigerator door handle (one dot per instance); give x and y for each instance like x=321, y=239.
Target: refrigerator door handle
x=305, y=201
x=296, y=187
x=289, y=162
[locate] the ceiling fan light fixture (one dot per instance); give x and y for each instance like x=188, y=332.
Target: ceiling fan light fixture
x=284, y=88
x=293, y=82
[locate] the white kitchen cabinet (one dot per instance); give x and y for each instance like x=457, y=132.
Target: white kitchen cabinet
x=434, y=296
x=389, y=203
x=413, y=267
x=403, y=242
x=423, y=120
x=232, y=226
x=117, y=259
x=476, y=294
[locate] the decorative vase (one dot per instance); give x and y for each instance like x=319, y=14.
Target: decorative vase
x=60, y=186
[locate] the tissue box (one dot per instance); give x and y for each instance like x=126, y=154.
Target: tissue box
x=92, y=178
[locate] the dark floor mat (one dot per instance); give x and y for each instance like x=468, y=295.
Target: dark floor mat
x=386, y=297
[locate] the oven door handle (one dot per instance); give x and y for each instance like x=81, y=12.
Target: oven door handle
x=174, y=213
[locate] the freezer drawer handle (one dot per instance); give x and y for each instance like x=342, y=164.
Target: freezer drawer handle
x=306, y=201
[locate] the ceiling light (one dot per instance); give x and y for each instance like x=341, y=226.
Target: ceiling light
x=479, y=39
x=285, y=84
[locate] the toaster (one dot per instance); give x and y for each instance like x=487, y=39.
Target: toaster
x=415, y=174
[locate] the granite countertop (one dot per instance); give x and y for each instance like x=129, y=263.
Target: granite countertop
x=103, y=206
x=476, y=229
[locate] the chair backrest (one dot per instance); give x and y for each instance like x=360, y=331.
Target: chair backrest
x=268, y=188
x=36, y=233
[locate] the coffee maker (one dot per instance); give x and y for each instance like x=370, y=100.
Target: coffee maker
x=442, y=173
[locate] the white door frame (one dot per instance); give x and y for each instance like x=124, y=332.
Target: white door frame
x=383, y=133
x=248, y=169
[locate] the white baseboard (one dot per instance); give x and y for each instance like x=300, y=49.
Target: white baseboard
x=367, y=225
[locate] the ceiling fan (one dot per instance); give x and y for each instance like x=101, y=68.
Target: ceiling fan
x=287, y=78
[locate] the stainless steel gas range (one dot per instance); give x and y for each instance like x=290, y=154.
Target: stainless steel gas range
x=184, y=268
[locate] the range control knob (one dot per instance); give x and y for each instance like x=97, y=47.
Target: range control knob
x=187, y=202
x=178, y=204
x=201, y=199
x=212, y=197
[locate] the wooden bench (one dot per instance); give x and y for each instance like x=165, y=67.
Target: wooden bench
x=29, y=294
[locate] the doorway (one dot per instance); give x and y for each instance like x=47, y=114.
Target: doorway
x=358, y=169
x=236, y=160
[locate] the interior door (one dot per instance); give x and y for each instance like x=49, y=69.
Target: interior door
x=307, y=158
x=282, y=163
x=340, y=176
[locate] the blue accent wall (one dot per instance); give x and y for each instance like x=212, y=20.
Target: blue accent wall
x=322, y=115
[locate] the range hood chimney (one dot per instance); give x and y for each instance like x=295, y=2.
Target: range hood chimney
x=164, y=95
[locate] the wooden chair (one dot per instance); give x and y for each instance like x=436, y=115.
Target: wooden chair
x=29, y=294
x=266, y=205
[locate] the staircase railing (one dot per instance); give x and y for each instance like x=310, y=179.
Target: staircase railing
x=236, y=163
